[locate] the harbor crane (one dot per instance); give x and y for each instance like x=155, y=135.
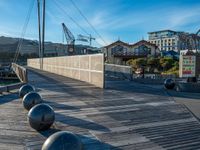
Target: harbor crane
x=198, y=32
x=70, y=40
x=84, y=38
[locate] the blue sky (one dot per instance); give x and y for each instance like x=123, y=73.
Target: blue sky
x=129, y=20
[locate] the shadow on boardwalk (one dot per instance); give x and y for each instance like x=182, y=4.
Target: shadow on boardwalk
x=89, y=142
x=72, y=121
x=8, y=98
x=131, y=86
x=56, y=105
x=65, y=88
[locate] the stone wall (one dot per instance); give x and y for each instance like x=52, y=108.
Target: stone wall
x=88, y=68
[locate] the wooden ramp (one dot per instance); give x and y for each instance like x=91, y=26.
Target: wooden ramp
x=125, y=116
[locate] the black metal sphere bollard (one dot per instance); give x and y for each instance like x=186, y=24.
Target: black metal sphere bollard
x=63, y=140
x=25, y=89
x=31, y=99
x=169, y=84
x=41, y=117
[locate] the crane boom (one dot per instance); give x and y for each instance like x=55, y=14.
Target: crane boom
x=86, y=38
x=69, y=38
x=198, y=32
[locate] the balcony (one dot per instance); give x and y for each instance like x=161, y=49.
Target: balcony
x=128, y=54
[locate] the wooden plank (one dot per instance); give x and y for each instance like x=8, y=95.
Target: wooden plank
x=123, y=117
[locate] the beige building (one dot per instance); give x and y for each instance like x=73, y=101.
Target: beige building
x=168, y=40
x=119, y=52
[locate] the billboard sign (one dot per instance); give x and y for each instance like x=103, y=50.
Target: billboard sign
x=188, y=66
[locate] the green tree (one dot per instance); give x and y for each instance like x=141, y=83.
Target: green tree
x=166, y=63
x=153, y=63
x=137, y=63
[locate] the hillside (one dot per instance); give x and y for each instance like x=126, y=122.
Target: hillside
x=9, y=45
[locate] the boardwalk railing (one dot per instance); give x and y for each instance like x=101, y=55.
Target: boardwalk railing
x=21, y=72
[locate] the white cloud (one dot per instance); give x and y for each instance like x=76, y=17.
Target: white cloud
x=98, y=19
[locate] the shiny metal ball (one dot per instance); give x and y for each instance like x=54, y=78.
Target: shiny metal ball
x=169, y=84
x=41, y=117
x=63, y=140
x=25, y=89
x=31, y=99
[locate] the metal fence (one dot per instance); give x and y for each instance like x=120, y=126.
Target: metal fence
x=154, y=76
x=118, y=71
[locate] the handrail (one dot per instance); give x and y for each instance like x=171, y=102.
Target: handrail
x=21, y=72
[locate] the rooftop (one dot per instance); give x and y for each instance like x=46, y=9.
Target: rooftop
x=162, y=31
x=130, y=45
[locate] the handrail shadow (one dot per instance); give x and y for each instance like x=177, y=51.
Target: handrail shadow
x=8, y=98
x=77, y=122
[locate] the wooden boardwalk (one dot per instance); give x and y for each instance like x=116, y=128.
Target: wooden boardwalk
x=125, y=116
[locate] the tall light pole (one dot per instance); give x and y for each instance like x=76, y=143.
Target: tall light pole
x=41, y=41
x=43, y=30
x=39, y=30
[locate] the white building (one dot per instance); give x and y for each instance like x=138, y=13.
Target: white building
x=173, y=40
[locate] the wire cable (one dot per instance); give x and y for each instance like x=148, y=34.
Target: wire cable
x=61, y=8
x=20, y=41
x=81, y=13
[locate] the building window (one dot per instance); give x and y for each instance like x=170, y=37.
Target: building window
x=117, y=48
x=144, y=50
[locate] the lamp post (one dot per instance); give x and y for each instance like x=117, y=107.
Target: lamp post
x=39, y=30
x=43, y=30
x=41, y=41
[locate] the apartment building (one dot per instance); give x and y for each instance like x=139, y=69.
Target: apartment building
x=168, y=40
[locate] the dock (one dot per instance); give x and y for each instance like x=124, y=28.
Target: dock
x=124, y=116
